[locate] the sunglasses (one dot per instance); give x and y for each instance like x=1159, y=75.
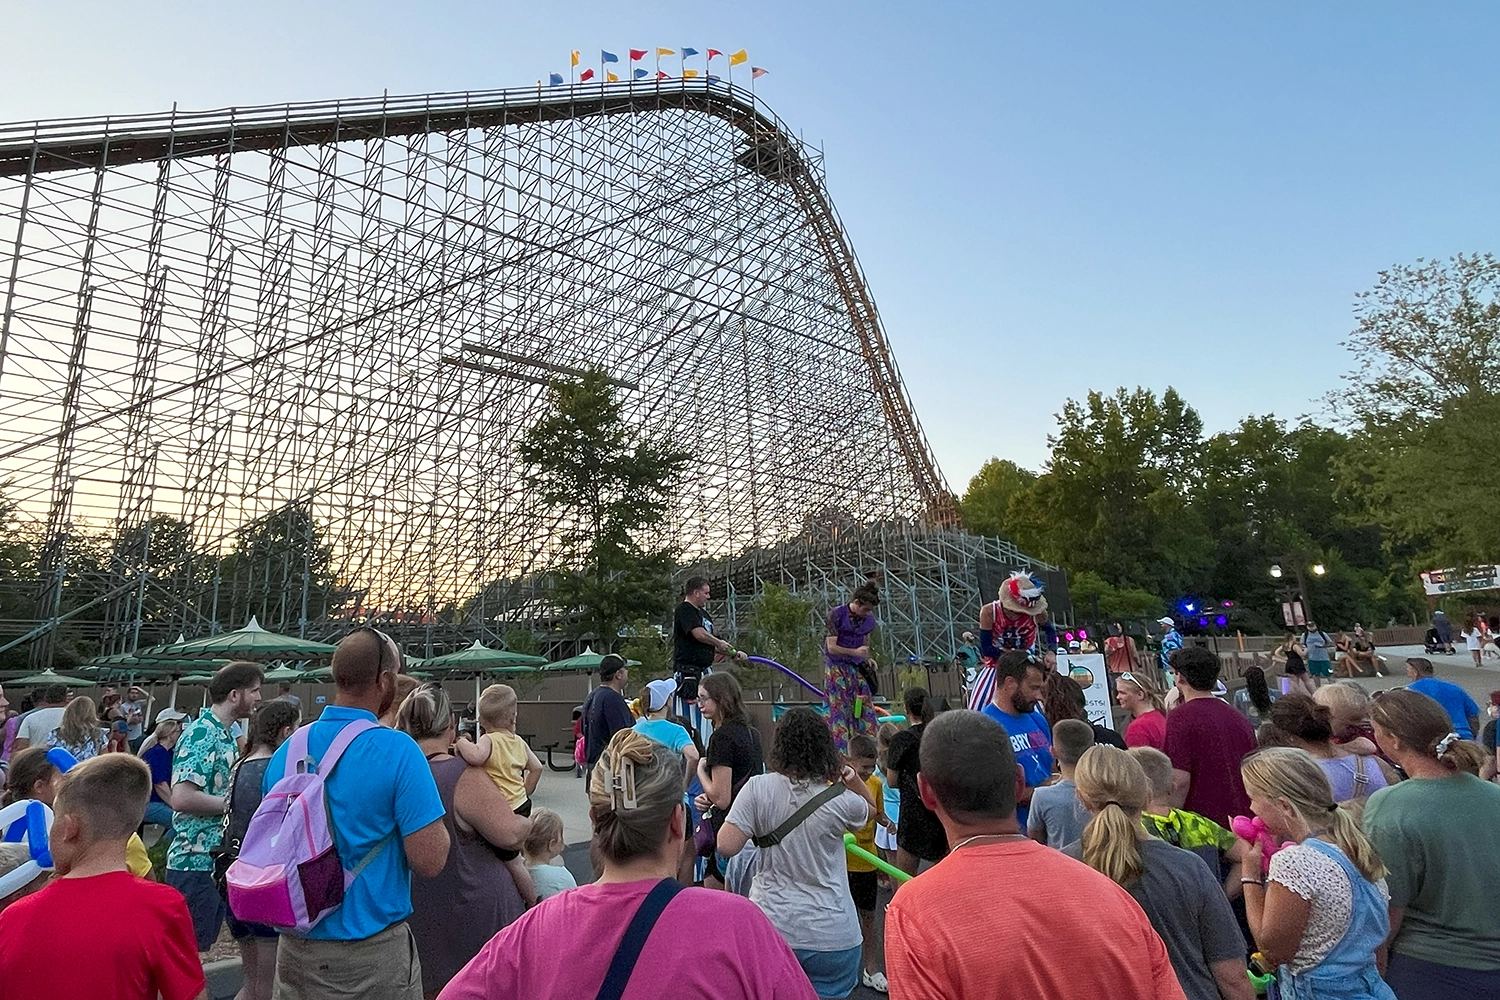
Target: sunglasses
x=1132, y=678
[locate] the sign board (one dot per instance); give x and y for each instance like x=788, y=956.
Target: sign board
x=1088, y=670
x=1292, y=613
x=1456, y=581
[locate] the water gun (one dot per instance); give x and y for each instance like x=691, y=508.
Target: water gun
x=1254, y=830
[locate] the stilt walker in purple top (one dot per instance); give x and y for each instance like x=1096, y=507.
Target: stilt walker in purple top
x=851, y=671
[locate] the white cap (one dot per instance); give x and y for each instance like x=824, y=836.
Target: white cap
x=658, y=693
x=171, y=715
x=1166, y=621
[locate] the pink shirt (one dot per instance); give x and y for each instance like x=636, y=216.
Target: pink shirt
x=708, y=944
x=1149, y=730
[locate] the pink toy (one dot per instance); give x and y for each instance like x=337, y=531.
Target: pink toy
x=1254, y=830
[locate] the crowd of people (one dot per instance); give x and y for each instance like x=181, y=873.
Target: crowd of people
x=1336, y=845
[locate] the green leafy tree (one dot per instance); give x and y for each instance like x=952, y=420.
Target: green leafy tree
x=645, y=642
x=522, y=640
x=784, y=627
x=611, y=485
x=986, y=503
x=278, y=560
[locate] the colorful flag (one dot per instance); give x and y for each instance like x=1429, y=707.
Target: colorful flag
x=612, y=77
x=756, y=72
x=555, y=80
x=689, y=74
x=664, y=52
x=714, y=52
x=663, y=76
x=585, y=76
x=641, y=74
x=575, y=57
x=738, y=57
x=689, y=52
x=714, y=78
x=636, y=54
x=608, y=56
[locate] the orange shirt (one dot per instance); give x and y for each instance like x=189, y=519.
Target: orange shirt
x=1016, y=919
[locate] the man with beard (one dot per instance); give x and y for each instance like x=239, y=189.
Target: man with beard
x=1018, y=689
x=387, y=820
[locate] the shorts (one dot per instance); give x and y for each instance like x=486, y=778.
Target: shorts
x=862, y=886
x=885, y=839
x=242, y=930
x=832, y=973
x=383, y=966
x=687, y=684
x=1296, y=669
x=1320, y=668
x=204, y=903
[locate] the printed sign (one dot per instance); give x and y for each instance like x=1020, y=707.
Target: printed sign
x=1088, y=670
x=1455, y=581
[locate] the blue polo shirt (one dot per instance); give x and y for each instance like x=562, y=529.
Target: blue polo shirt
x=1454, y=699
x=1031, y=740
x=382, y=786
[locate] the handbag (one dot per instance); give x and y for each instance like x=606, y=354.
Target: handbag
x=636, y=933
x=228, y=849
x=797, y=818
x=705, y=834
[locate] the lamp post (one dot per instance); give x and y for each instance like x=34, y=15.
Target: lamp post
x=1296, y=561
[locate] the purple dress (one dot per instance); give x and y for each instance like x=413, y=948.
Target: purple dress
x=846, y=685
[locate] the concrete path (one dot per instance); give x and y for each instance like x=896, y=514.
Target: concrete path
x=1458, y=668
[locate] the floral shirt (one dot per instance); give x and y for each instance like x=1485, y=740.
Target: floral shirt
x=205, y=753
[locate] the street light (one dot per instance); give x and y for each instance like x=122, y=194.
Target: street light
x=1319, y=569
x=1285, y=592
x=1275, y=572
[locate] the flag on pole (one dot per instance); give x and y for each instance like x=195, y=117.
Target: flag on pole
x=612, y=77
x=608, y=56
x=756, y=72
x=689, y=52
x=585, y=76
x=738, y=57
x=664, y=52
x=714, y=52
x=641, y=74
x=689, y=74
x=575, y=57
x=663, y=76
x=555, y=79
x=714, y=78
x=638, y=54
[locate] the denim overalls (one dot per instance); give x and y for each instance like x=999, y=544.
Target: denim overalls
x=1348, y=973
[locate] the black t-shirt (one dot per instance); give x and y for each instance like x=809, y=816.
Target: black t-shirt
x=604, y=714
x=736, y=746
x=1107, y=736
x=918, y=829
x=689, y=656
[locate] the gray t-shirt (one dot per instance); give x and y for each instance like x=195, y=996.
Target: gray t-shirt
x=802, y=883
x=1186, y=904
x=1056, y=812
x=1318, y=645
x=38, y=726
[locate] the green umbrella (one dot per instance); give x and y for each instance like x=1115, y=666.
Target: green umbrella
x=50, y=676
x=587, y=661
x=195, y=679
x=249, y=643
x=146, y=660
x=284, y=674
x=326, y=674
x=482, y=658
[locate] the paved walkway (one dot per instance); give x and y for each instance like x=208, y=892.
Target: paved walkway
x=565, y=795
x=1458, y=668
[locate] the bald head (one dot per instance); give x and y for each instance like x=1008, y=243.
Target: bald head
x=361, y=657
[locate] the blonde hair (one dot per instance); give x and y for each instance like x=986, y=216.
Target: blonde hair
x=80, y=723
x=1157, y=767
x=1293, y=776
x=497, y=706
x=1345, y=700
x=546, y=827
x=636, y=787
x=1148, y=690
x=1114, y=787
x=425, y=713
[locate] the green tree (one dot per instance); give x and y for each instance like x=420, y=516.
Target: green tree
x=645, y=642
x=611, y=485
x=521, y=640
x=784, y=627
x=986, y=503
x=280, y=564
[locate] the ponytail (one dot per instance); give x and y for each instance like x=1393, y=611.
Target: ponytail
x=1355, y=845
x=1112, y=844
x=1115, y=788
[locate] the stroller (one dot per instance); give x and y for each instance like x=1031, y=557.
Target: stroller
x=1432, y=643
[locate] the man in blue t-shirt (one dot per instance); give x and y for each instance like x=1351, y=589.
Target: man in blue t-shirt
x=1454, y=699
x=1018, y=689
x=386, y=814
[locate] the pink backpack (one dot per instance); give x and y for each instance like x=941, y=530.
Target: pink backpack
x=288, y=873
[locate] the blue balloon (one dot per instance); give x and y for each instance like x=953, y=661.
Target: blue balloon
x=36, y=834
x=61, y=759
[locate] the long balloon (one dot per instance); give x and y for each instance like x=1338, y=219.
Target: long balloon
x=789, y=672
x=853, y=848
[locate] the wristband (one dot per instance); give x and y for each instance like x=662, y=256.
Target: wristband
x=1253, y=881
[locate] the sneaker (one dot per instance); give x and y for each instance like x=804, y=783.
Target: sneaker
x=876, y=981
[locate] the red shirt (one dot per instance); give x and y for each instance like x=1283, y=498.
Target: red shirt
x=1148, y=730
x=1043, y=926
x=1208, y=739
x=105, y=937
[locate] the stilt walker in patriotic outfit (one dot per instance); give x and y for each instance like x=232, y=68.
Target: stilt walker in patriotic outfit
x=1008, y=623
x=851, y=672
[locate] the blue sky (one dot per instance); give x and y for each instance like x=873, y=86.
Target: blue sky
x=1124, y=194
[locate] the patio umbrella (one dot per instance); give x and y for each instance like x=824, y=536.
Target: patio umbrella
x=480, y=660
x=588, y=660
x=50, y=676
x=249, y=643
x=326, y=674
x=284, y=674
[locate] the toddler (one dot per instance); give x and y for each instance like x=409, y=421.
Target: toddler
x=885, y=833
x=510, y=764
x=543, y=845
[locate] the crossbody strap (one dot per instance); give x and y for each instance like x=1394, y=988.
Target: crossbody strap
x=796, y=819
x=636, y=933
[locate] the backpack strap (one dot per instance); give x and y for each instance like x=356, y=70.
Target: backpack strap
x=796, y=819
x=636, y=933
x=346, y=736
x=1361, y=779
